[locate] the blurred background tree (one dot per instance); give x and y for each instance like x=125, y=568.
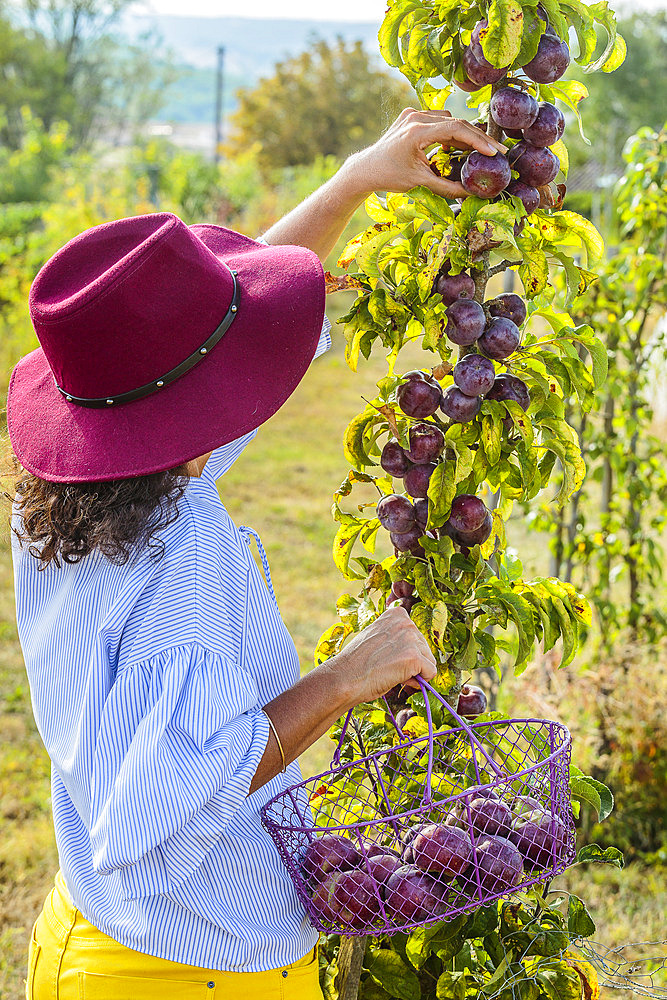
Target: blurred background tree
x=328, y=101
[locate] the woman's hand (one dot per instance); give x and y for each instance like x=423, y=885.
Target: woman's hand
x=391, y=650
x=398, y=162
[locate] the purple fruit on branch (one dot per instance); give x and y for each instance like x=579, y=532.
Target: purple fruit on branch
x=478, y=52
x=411, y=896
x=486, y=176
x=499, y=866
x=463, y=81
x=474, y=375
x=550, y=61
x=466, y=539
x=407, y=603
x=490, y=816
x=394, y=460
x=421, y=512
x=396, y=513
x=547, y=128
x=500, y=338
x=509, y=387
x=416, y=482
x=509, y=305
x=427, y=443
x=472, y=701
x=513, y=133
x=404, y=716
x=465, y=322
x=418, y=398
x=468, y=513
x=537, y=165
x=446, y=850
x=455, y=286
x=513, y=108
x=327, y=854
x=407, y=541
x=479, y=71
x=417, y=374
x=401, y=588
x=530, y=196
x=459, y=407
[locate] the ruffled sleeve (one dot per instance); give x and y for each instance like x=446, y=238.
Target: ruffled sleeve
x=181, y=737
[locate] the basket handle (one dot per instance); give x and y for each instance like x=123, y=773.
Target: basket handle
x=425, y=687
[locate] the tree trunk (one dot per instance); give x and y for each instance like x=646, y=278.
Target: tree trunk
x=350, y=964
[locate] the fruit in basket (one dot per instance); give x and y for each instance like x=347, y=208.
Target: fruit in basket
x=499, y=865
x=396, y=513
x=539, y=836
x=524, y=804
x=472, y=701
x=407, y=839
x=412, y=896
x=372, y=848
x=321, y=899
x=353, y=898
x=426, y=441
x=445, y=850
x=327, y=854
x=382, y=867
x=489, y=815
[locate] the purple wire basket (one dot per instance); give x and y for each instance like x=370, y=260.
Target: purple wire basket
x=430, y=828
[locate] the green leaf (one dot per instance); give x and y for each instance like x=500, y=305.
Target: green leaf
x=441, y=492
x=343, y=544
x=368, y=254
x=559, y=149
x=534, y=272
x=390, y=971
x=451, y=986
x=606, y=17
x=436, y=206
x=608, y=856
x=617, y=55
x=331, y=641
x=571, y=92
x=579, y=920
x=353, y=441
x=570, y=222
x=391, y=28
x=597, y=350
x=425, y=584
x=492, y=437
x=501, y=40
x=439, y=619
x=559, y=982
x=589, y=790
x=522, y=422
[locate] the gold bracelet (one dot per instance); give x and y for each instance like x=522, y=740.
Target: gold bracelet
x=280, y=746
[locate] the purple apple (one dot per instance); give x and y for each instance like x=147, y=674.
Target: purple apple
x=550, y=61
x=459, y=407
x=327, y=854
x=454, y=286
x=416, y=482
x=500, y=339
x=499, y=864
x=394, y=460
x=407, y=541
x=486, y=176
x=513, y=108
x=421, y=512
x=510, y=306
x=540, y=838
x=479, y=71
x=474, y=375
x=382, y=866
x=442, y=849
x=490, y=816
x=472, y=701
x=530, y=196
x=467, y=513
x=404, y=716
x=465, y=322
x=353, y=898
x=418, y=398
x=548, y=126
x=396, y=513
x=412, y=897
x=537, y=166
x=427, y=442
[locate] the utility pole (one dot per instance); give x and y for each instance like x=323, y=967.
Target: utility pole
x=219, y=103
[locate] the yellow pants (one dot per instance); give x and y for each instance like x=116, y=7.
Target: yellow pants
x=71, y=960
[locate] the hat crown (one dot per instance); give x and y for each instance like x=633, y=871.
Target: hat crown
x=125, y=302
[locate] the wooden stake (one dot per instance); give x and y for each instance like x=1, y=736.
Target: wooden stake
x=350, y=963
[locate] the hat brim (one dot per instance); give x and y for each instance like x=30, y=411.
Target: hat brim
x=242, y=382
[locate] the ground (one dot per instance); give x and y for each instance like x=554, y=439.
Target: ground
x=282, y=487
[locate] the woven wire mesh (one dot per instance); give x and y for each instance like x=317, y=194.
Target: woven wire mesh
x=370, y=851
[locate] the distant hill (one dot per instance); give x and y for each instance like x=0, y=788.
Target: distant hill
x=252, y=48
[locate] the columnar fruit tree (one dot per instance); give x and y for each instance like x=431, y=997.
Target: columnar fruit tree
x=448, y=448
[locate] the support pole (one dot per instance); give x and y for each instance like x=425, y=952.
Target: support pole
x=350, y=963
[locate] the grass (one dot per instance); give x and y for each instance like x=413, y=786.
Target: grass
x=282, y=487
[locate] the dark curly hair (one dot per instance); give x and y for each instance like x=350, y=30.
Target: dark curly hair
x=67, y=521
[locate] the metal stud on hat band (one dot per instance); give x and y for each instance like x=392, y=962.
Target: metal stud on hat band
x=171, y=376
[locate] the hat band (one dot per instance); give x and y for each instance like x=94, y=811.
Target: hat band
x=170, y=376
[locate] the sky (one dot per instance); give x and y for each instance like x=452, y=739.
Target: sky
x=334, y=10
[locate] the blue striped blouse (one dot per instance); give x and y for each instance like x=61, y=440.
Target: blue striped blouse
x=147, y=684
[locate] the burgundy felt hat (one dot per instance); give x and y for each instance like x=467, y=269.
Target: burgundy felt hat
x=159, y=342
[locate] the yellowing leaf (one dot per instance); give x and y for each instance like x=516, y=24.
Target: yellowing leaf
x=501, y=40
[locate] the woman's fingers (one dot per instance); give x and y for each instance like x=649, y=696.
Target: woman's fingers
x=455, y=132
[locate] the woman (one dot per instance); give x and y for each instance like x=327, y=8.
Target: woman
x=165, y=686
